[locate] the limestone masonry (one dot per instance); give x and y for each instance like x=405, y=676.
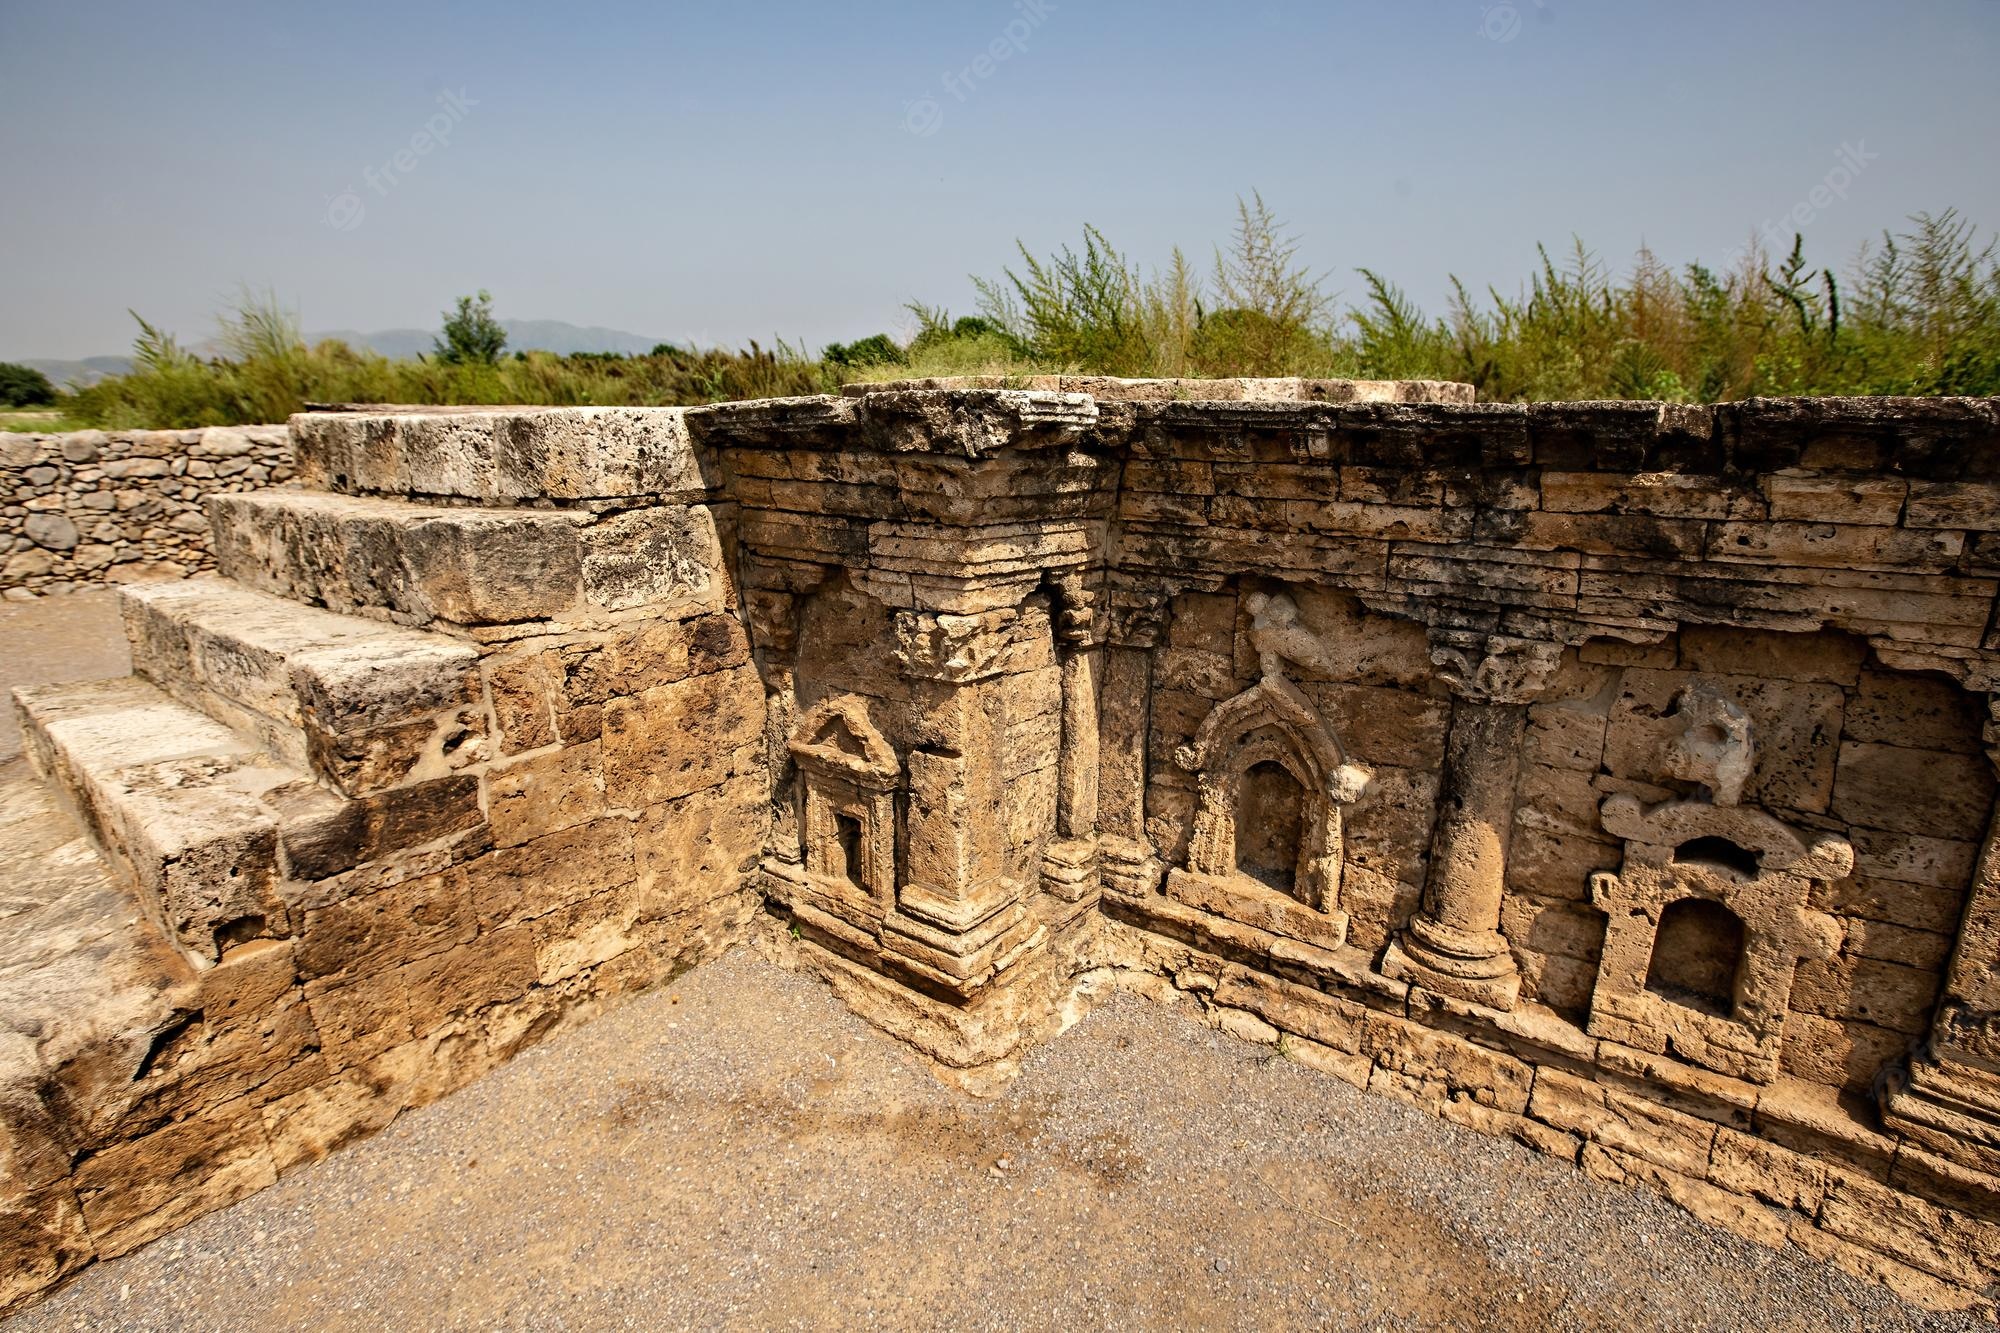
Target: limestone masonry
x=124, y=506
x=1616, y=777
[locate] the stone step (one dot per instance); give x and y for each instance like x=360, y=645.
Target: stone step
x=364, y=705
x=223, y=842
x=502, y=453
x=468, y=567
x=175, y=800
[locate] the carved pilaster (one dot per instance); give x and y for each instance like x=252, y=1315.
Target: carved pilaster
x=1453, y=946
x=1948, y=1097
x=1078, y=632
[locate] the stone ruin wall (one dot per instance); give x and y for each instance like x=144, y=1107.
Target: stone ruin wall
x=94, y=507
x=1612, y=777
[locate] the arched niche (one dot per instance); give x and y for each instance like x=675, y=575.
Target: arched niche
x=1706, y=925
x=848, y=775
x=1268, y=755
x=1698, y=956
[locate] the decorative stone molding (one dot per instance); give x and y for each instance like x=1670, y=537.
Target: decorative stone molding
x=1715, y=747
x=773, y=618
x=1757, y=870
x=1271, y=723
x=848, y=774
x=1494, y=668
x=1138, y=619
x=1278, y=637
x=1078, y=612
x=951, y=648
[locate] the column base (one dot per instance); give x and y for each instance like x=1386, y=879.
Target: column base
x=1128, y=868
x=1476, y=968
x=1069, y=868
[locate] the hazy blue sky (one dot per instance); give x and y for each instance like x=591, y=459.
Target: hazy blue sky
x=726, y=171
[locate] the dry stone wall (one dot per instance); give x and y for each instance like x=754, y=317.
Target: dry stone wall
x=121, y=506
x=1618, y=778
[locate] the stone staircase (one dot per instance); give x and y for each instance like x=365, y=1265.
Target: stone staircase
x=377, y=805
x=258, y=743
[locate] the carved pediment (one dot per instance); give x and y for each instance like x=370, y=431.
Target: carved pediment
x=1275, y=701
x=836, y=735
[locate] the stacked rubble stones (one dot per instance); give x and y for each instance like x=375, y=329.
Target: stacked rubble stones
x=121, y=506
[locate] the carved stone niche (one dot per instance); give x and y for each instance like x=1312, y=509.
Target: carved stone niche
x=1708, y=924
x=1266, y=846
x=848, y=776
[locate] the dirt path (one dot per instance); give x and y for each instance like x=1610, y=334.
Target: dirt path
x=739, y=1151
x=73, y=637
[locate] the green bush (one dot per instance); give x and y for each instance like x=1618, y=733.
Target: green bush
x=878, y=349
x=24, y=386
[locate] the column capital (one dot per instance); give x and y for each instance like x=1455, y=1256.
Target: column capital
x=1493, y=668
x=955, y=649
x=1079, y=613
x=1138, y=617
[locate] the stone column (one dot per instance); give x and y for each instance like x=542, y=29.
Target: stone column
x=1948, y=1098
x=1453, y=945
x=1069, y=859
x=1123, y=723
x=1082, y=661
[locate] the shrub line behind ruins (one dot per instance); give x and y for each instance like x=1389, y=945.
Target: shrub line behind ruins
x=1917, y=313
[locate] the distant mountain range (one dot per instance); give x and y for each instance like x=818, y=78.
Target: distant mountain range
x=523, y=335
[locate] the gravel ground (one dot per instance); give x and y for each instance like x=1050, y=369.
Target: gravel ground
x=740, y=1151
x=73, y=637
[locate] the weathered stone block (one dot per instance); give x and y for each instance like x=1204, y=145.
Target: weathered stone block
x=1833, y=659
x=1801, y=497
x=522, y=687
x=1628, y=1124
x=668, y=557
x=367, y=1015
x=1434, y=1066
x=1874, y=784
x=676, y=739
x=517, y=883
x=132, y=1192
x=697, y=848
x=1937, y=1240
x=43, y=1239
x=1886, y=995
x=1921, y=712
x=546, y=793
x=372, y=933
x=1749, y=1165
